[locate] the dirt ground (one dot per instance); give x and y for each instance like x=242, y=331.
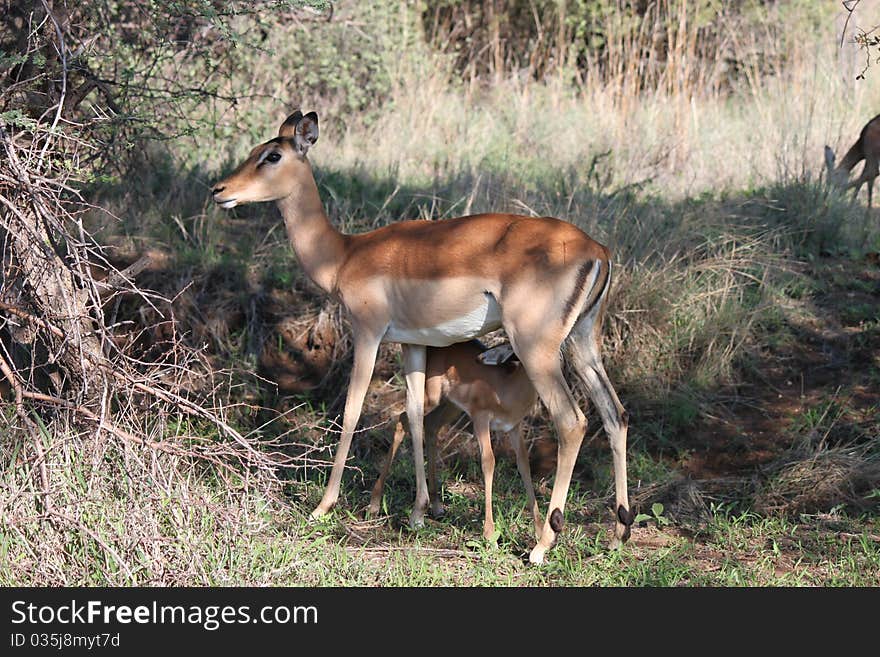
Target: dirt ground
x=833, y=356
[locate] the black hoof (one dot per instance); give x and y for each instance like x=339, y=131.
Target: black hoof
x=626, y=518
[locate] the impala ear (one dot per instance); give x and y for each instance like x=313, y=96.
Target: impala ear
x=306, y=133
x=499, y=355
x=287, y=128
x=829, y=157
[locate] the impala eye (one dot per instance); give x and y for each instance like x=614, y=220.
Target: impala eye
x=274, y=156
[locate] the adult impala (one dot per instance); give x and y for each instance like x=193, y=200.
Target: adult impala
x=435, y=283
x=867, y=148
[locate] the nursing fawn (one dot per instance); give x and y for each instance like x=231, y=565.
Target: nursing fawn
x=492, y=387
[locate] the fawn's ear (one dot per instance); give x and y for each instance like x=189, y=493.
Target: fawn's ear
x=829, y=157
x=287, y=128
x=305, y=134
x=499, y=355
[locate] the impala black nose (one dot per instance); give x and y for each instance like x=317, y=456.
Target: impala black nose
x=217, y=190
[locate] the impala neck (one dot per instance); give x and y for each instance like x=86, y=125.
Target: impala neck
x=853, y=156
x=319, y=247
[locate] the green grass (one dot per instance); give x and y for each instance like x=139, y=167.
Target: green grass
x=201, y=533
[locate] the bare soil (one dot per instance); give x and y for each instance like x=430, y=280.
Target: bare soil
x=832, y=355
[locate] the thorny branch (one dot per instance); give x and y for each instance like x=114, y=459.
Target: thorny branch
x=863, y=39
x=66, y=362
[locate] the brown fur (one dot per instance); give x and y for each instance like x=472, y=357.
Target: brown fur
x=436, y=283
x=867, y=148
x=490, y=395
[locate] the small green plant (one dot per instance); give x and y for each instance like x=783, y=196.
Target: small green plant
x=656, y=515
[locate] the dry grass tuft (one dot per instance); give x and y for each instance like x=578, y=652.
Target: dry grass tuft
x=819, y=482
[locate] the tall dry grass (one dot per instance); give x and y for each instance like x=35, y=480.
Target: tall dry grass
x=673, y=142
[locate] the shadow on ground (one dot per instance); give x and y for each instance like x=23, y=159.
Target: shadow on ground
x=804, y=385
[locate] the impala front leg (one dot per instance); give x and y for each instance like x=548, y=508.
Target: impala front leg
x=487, y=462
x=444, y=414
x=366, y=345
x=525, y=472
x=414, y=359
x=379, y=486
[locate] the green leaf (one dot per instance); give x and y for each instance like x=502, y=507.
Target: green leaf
x=657, y=509
x=16, y=118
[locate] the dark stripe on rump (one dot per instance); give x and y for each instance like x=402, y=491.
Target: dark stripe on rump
x=583, y=272
x=598, y=291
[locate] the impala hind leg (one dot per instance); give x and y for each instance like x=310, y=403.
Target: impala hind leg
x=516, y=442
x=545, y=371
x=583, y=352
x=414, y=361
x=365, y=348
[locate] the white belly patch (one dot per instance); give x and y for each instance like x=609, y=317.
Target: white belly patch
x=482, y=319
